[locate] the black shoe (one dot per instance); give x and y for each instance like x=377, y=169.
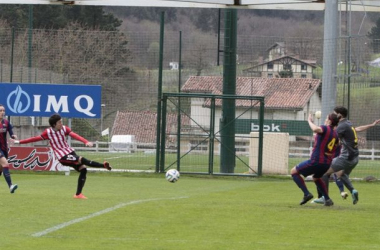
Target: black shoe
x=306, y=198
x=329, y=203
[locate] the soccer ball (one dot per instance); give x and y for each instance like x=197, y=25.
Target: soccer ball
x=318, y=114
x=172, y=175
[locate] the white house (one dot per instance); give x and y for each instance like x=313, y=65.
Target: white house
x=282, y=65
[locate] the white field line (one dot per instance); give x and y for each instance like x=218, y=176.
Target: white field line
x=118, y=170
x=119, y=157
x=107, y=210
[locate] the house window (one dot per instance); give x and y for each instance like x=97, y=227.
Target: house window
x=287, y=66
x=303, y=66
x=303, y=76
x=270, y=75
x=198, y=145
x=270, y=65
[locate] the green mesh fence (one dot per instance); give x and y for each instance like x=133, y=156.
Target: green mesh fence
x=126, y=66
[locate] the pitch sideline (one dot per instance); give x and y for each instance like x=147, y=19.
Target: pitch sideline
x=107, y=210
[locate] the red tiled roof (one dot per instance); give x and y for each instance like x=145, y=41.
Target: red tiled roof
x=142, y=124
x=279, y=93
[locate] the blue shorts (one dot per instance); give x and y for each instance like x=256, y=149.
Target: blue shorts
x=307, y=168
x=3, y=154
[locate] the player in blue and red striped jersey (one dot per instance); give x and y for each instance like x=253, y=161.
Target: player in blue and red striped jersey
x=5, y=127
x=65, y=154
x=325, y=145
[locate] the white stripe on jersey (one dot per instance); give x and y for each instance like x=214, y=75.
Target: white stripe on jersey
x=58, y=142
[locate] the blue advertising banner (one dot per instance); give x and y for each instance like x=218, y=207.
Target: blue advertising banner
x=75, y=101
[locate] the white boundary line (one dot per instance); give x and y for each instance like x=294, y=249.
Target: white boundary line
x=107, y=210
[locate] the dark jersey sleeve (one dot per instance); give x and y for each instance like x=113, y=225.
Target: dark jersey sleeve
x=10, y=130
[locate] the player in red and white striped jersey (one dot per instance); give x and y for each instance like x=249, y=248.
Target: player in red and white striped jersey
x=57, y=136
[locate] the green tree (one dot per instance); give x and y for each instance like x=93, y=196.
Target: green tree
x=15, y=15
x=93, y=17
x=146, y=13
x=206, y=20
x=58, y=17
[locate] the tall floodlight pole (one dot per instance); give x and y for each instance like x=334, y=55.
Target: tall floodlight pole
x=329, y=79
x=30, y=40
x=227, y=120
x=349, y=62
x=179, y=103
x=159, y=93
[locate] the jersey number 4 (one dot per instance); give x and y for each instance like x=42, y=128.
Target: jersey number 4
x=331, y=144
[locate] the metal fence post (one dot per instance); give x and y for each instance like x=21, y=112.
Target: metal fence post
x=159, y=94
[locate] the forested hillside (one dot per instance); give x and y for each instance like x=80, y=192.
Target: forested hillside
x=279, y=23
x=253, y=22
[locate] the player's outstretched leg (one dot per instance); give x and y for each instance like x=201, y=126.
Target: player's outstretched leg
x=95, y=164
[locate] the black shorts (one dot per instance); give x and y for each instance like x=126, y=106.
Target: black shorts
x=71, y=160
x=3, y=154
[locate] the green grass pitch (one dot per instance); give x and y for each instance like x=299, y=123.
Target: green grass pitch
x=199, y=163
x=144, y=211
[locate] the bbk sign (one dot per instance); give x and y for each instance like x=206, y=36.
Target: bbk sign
x=266, y=128
x=299, y=128
x=74, y=101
